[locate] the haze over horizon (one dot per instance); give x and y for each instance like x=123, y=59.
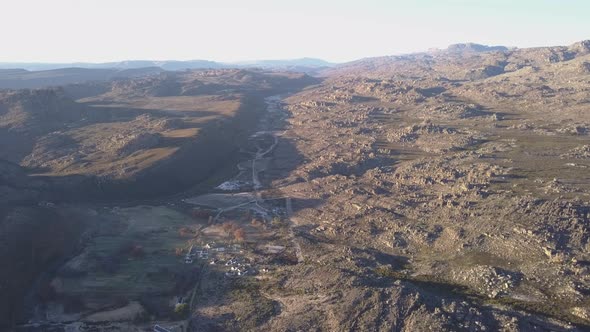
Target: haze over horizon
x=234, y=31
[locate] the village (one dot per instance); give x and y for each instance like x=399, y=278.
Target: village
x=221, y=256
x=240, y=244
x=241, y=238
x=247, y=231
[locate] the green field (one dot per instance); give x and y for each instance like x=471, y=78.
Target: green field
x=113, y=268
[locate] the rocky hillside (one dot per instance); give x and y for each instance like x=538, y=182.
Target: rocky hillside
x=461, y=62
x=444, y=191
x=172, y=126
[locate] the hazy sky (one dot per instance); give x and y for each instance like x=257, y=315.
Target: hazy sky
x=234, y=30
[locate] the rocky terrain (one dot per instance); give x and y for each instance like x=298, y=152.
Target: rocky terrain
x=440, y=191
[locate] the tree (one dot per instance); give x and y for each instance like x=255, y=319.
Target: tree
x=276, y=221
x=239, y=234
x=256, y=223
x=181, y=310
x=228, y=227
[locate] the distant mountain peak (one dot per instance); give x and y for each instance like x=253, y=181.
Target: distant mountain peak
x=175, y=65
x=581, y=46
x=474, y=48
x=287, y=63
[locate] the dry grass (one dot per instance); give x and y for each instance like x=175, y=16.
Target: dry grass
x=91, y=155
x=181, y=133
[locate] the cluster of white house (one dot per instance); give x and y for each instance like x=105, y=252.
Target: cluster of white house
x=210, y=250
x=237, y=268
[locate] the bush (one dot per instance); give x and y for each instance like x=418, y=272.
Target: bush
x=276, y=221
x=181, y=310
x=239, y=235
x=386, y=271
x=256, y=223
x=228, y=227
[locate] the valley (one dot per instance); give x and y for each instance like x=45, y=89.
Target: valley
x=445, y=190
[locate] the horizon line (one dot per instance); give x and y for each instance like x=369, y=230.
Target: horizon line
x=236, y=62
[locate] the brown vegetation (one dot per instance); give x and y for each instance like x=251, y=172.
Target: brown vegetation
x=239, y=235
x=234, y=231
x=186, y=232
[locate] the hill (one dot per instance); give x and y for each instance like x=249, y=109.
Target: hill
x=443, y=191
x=25, y=79
x=133, y=138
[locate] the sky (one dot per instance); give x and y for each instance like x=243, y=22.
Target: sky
x=241, y=30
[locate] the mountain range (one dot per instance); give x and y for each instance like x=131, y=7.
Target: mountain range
x=170, y=64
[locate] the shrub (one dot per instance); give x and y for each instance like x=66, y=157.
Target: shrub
x=228, y=227
x=276, y=221
x=181, y=310
x=256, y=223
x=239, y=235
